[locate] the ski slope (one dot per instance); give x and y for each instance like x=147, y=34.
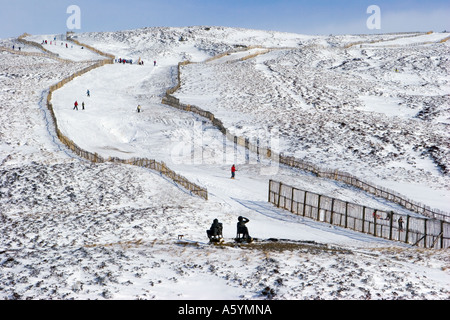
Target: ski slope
x=111, y=231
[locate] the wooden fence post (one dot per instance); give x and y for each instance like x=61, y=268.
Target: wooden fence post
x=292, y=200
x=332, y=211
x=346, y=212
x=375, y=223
x=363, y=218
x=279, y=195
x=304, y=203
x=425, y=233
x=391, y=219
x=318, y=208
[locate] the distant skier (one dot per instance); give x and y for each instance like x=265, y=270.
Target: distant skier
x=154, y=63
x=139, y=108
x=88, y=93
x=233, y=171
x=82, y=105
x=75, y=105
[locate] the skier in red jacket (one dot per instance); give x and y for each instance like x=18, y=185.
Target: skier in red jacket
x=233, y=171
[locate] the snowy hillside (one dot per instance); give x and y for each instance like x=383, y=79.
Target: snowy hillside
x=77, y=230
x=346, y=109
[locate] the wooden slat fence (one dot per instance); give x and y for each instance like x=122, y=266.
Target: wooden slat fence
x=37, y=45
x=423, y=232
x=160, y=167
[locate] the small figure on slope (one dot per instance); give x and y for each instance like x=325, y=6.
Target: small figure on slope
x=233, y=172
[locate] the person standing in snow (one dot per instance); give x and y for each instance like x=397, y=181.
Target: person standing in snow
x=75, y=105
x=233, y=171
x=82, y=105
x=139, y=108
x=88, y=93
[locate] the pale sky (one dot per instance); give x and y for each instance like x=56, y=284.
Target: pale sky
x=298, y=16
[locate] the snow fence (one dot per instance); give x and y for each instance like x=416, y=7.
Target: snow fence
x=423, y=232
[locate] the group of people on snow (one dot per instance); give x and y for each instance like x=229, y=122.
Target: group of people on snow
x=242, y=234
x=124, y=61
x=130, y=61
x=389, y=216
x=215, y=232
x=88, y=94
x=54, y=42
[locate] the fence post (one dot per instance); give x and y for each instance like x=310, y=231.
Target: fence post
x=363, y=219
x=425, y=233
x=304, y=203
x=318, y=208
x=270, y=189
x=375, y=223
x=292, y=200
x=391, y=219
x=346, y=212
x=442, y=234
x=279, y=195
x=332, y=211
x=407, y=229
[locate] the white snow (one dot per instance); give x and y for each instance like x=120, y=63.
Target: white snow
x=64, y=49
x=76, y=230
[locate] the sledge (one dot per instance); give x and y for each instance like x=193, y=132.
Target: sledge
x=244, y=240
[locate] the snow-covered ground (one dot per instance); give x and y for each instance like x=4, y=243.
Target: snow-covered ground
x=342, y=109
x=76, y=230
